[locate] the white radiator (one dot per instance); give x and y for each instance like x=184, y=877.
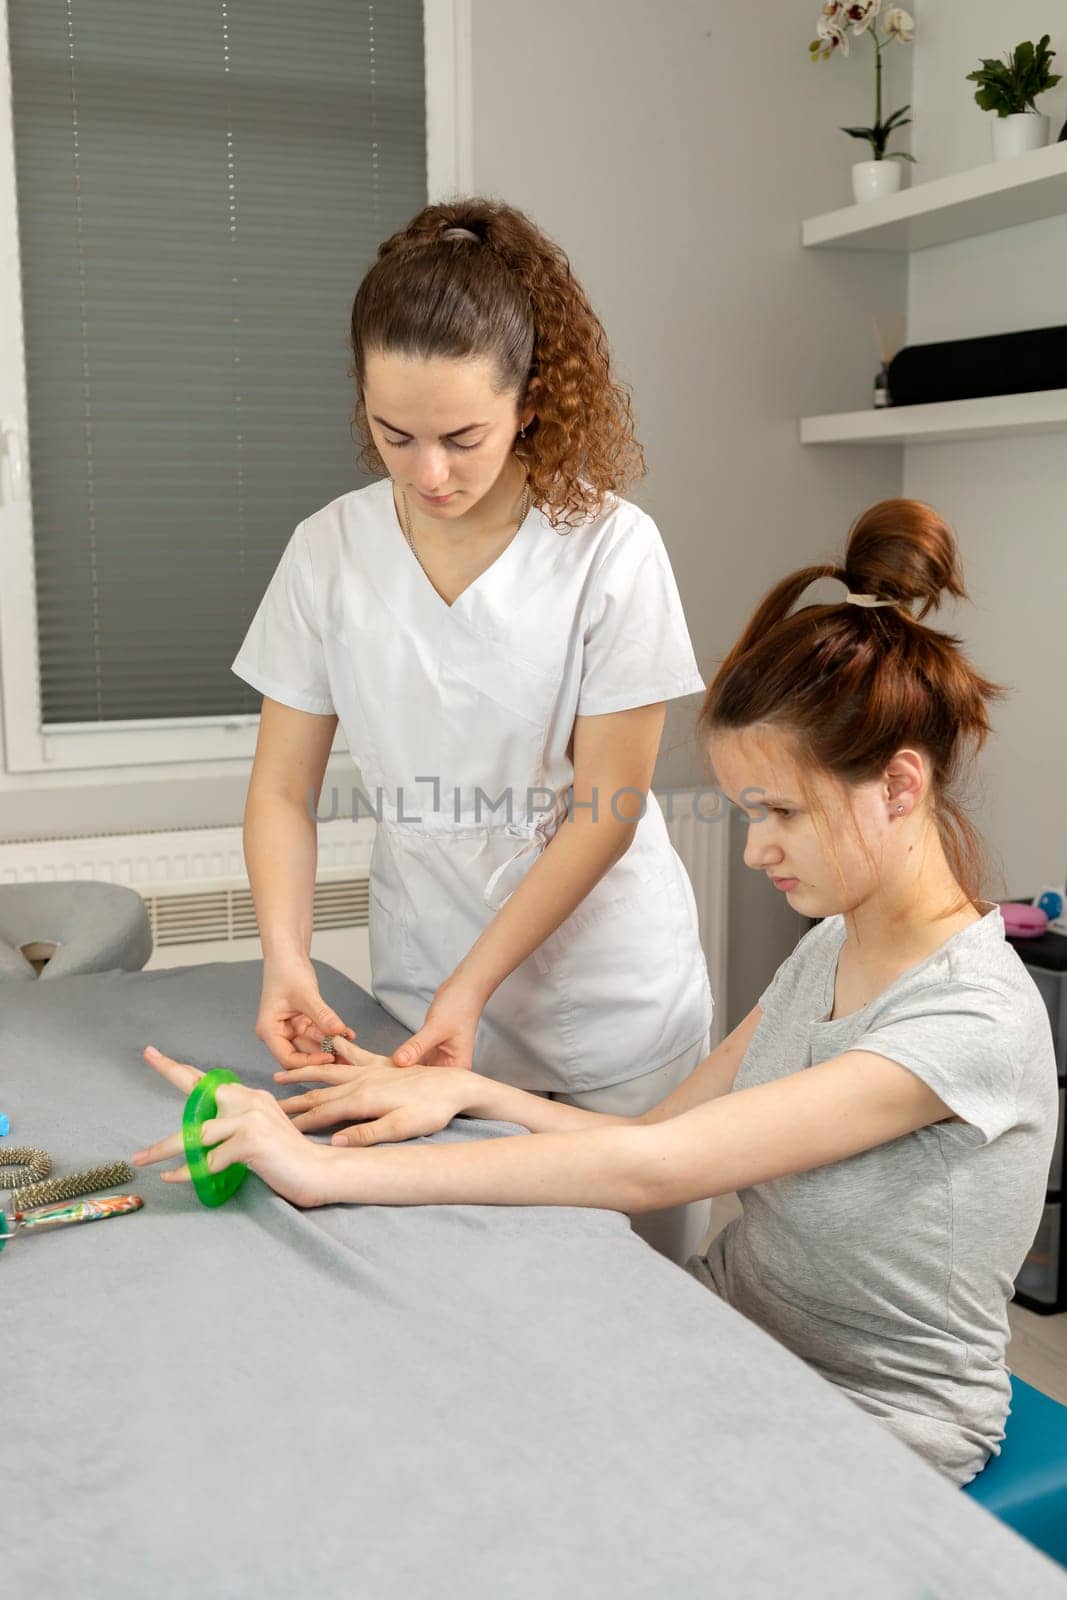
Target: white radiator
x=195, y=886
x=700, y=832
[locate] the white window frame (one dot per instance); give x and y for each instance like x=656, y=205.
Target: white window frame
x=147, y=744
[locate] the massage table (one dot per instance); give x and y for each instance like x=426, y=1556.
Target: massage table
x=258, y=1402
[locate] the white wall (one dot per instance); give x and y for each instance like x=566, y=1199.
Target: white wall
x=1005, y=498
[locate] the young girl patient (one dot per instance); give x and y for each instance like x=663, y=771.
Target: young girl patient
x=886, y=1112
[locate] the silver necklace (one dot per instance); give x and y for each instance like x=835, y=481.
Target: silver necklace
x=524, y=511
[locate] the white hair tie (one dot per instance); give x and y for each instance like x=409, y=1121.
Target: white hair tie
x=869, y=600
x=461, y=233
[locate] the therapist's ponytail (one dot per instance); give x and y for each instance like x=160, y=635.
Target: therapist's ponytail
x=852, y=683
x=506, y=294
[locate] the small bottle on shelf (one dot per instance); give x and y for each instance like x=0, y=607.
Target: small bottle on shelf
x=887, y=346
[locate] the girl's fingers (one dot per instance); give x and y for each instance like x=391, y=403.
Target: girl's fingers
x=220, y=1133
x=234, y=1099
x=313, y=1121
x=304, y=1073
x=211, y=1131
x=175, y=1175
x=346, y=1049
x=178, y=1073
x=324, y=1116
x=164, y=1150
x=296, y=1103
x=320, y=1108
x=326, y=1070
x=393, y=1128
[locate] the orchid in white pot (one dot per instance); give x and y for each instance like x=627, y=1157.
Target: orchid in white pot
x=838, y=22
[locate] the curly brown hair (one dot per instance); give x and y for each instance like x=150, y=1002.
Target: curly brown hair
x=508, y=295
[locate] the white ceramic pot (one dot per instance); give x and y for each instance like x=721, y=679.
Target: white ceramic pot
x=1014, y=136
x=873, y=179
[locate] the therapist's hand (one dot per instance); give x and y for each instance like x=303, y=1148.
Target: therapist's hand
x=250, y=1127
x=446, y=1038
x=294, y=1018
x=383, y=1104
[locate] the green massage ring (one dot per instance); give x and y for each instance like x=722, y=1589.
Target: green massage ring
x=212, y=1188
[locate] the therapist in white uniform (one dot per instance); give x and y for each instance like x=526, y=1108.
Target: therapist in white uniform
x=497, y=632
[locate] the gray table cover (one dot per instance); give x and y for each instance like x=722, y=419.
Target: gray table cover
x=437, y=1401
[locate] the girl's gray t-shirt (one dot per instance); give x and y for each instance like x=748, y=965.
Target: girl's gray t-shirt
x=890, y=1272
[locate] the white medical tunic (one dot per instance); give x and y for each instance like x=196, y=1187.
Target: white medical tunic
x=460, y=719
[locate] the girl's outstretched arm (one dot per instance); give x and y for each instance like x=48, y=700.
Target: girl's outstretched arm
x=382, y=1103
x=810, y=1119
x=823, y=1114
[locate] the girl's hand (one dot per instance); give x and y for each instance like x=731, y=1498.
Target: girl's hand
x=250, y=1127
x=385, y=1104
x=346, y=1055
x=446, y=1038
x=294, y=1018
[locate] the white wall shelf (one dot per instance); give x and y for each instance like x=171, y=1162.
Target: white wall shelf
x=992, y=417
x=982, y=200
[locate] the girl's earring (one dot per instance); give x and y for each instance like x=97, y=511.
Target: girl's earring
x=522, y=431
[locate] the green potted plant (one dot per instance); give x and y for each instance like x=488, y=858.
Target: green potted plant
x=1009, y=88
x=837, y=20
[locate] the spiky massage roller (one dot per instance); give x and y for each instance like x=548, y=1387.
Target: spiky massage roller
x=24, y=1164
x=55, y=1190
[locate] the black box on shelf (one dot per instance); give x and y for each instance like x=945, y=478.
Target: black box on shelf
x=967, y=369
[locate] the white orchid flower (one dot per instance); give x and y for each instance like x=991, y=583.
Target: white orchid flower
x=900, y=24
x=861, y=14
x=833, y=35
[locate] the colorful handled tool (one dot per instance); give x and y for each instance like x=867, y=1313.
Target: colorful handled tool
x=112, y=1205
x=212, y=1188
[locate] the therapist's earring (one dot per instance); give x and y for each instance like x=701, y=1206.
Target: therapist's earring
x=522, y=431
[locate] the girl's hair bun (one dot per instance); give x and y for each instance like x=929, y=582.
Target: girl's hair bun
x=902, y=550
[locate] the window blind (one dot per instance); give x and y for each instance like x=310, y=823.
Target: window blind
x=200, y=188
